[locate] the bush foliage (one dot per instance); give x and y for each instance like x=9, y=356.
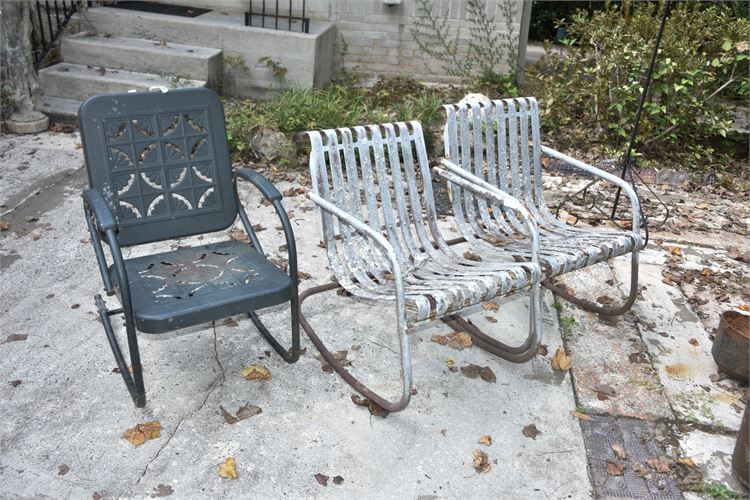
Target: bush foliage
x=594, y=83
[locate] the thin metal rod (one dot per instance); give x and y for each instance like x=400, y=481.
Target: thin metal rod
x=41, y=29
x=277, y=15
x=290, y=16
x=626, y=160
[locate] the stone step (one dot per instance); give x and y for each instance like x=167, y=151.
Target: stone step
x=143, y=56
x=58, y=108
x=76, y=81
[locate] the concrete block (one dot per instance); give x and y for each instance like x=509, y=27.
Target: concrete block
x=144, y=56
x=58, y=108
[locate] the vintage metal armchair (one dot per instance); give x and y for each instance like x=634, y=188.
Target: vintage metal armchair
x=159, y=168
x=499, y=143
x=373, y=190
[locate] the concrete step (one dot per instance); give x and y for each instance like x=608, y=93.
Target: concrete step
x=58, y=108
x=143, y=56
x=76, y=81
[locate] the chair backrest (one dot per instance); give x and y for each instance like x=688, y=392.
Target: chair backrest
x=379, y=174
x=499, y=141
x=161, y=162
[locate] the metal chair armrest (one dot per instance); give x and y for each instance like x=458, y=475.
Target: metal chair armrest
x=368, y=231
x=94, y=201
x=624, y=185
x=264, y=185
x=483, y=189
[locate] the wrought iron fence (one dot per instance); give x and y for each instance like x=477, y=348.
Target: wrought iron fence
x=278, y=15
x=49, y=19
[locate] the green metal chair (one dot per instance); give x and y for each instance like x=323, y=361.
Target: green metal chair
x=158, y=167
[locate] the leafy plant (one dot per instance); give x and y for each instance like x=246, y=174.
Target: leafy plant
x=566, y=326
x=590, y=90
x=275, y=66
x=719, y=491
x=485, y=49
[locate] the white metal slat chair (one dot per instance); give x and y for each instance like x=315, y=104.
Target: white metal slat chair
x=499, y=143
x=373, y=190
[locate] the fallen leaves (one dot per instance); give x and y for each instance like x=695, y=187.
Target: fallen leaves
x=15, y=383
x=469, y=255
x=693, y=341
x=542, y=350
x=491, y=306
x=244, y=412
x=660, y=464
x=339, y=356
x=530, y=431
x=473, y=371
x=581, y=416
x=374, y=408
x=256, y=372
x=62, y=470
x=619, y=450
x=675, y=251
x=481, y=462
x=4, y=225
x=485, y=440
x=322, y=479
x=456, y=340
x=142, y=433
x=604, y=391
x=228, y=469
x=744, y=307
x=15, y=337
x=615, y=469
x=303, y=275
x=561, y=361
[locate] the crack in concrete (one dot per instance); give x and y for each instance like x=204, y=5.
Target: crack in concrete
x=210, y=392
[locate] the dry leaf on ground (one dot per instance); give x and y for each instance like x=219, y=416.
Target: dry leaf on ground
x=661, y=464
x=228, y=469
x=322, y=479
x=62, y=470
x=469, y=255
x=303, y=275
x=675, y=251
x=486, y=440
x=338, y=479
x=481, y=462
x=491, y=306
x=459, y=340
x=619, y=450
x=491, y=319
x=339, y=356
x=530, y=431
x=244, y=412
x=374, y=408
x=15, y=337
x=439, y=339
x=744, y=307
x=615, y=469
x=488, y=375
x=542, y=350
x=561, y=361
x=4, y=225
x=693, y=341
x=142, y=433
x=256, y=372
x=580, y=416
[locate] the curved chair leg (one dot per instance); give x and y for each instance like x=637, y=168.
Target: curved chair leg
x=514, y=354
x=133, y=382
x=406, y=376
x=587, y=305
x=292, y=355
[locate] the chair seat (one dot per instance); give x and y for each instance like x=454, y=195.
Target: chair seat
x=566, y=248
x=195, y=285
x=446, y=282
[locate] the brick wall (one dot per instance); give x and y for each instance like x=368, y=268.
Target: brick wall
x=379, y=37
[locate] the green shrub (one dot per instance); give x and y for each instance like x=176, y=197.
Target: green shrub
x=308, y=109
x=594, y=83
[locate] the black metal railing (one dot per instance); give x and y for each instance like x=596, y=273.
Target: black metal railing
x=276, y=14
x=49, y=21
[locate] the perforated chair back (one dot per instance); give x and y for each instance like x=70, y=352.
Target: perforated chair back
x=161, y=162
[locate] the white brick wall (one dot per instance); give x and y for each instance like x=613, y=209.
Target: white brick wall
x=379, y=37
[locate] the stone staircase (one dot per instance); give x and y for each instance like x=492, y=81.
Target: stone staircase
x=94, y=63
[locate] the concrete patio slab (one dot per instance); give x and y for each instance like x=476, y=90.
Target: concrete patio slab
x=69, y=409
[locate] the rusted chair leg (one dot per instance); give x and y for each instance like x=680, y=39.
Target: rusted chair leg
x=587, y=305
x=514, y=354
x=406, y=375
